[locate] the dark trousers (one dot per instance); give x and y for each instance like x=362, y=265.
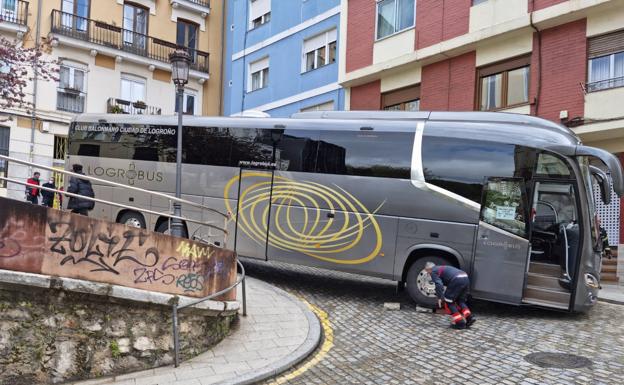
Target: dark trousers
x=33, y=199
x=455, y=297
x=84, y=212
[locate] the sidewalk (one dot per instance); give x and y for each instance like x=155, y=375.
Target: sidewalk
x=278, y=332
x=612, y=293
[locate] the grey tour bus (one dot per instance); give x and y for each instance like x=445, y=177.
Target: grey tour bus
x=505, y=197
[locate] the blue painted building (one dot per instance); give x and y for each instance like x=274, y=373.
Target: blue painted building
x=281, y=56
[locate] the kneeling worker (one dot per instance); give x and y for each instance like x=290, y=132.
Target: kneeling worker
x=456, y=294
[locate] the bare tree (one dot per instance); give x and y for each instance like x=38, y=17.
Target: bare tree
x=18, y=67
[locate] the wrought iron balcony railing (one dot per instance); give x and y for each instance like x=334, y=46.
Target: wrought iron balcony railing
x=605, y=84
x=111, y=36
x=15, y=11
x=120, y=106
x=203, y=3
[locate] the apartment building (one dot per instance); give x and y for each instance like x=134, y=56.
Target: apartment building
x=562, y=60
x=281, y=56
x=114, y=57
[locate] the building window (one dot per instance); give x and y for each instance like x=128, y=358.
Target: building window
x=606, y=61
x=187, y=35
x=477, y=2
x=71, y=93
x=133, y=94
x=75, y=14
x=4, y=150
x=319, y=50
x=135, y=27
x=327, y=106
x=258, y=75
x=259, y=13
x=189, y=101
x=404, y=99
x=394, y=16
x=504, y=85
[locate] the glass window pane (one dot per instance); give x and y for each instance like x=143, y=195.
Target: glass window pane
x=406, y=14
x=265, y=77
x=385, y=18
x=64, y=77
x=600, y=69
x=552, y=166
x=310, y=61
x=320, y=57
x=190, y=104
x=491, y=92
x=503, y=206
x=413, y=105
x=297, y=151
x=78, y=80
x=396, y=107
x=249, y=145
x=518, y=86
x=618, y=71
x=255, y=80
x=181, y=33
x=332, y=52
x=206, y=146
x=386, y=155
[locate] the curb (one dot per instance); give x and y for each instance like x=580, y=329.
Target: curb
x=611, y=301
x=309, y=345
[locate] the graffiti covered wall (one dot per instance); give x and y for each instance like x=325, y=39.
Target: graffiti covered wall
x=52, y=242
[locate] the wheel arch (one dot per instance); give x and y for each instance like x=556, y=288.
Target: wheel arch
x=163, y=219
x=422, y=250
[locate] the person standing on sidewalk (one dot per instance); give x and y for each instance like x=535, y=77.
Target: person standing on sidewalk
x=48, y=196
x=455, y=296
x=82, y=187
x=33, y=193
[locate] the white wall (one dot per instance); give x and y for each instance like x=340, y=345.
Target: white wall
x=493, y=12
x=394, y=46
x=504, y=49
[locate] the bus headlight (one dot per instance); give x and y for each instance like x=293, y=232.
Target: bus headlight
x=591, y=281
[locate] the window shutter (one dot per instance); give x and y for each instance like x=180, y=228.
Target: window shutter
x=606, y=44
x=259, y=8
x=400, y=96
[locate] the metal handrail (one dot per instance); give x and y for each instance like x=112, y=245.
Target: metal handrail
x=176, y=308
x=63, y=192
x=91, y=178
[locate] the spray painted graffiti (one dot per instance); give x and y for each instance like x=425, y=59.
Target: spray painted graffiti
x=47, y=241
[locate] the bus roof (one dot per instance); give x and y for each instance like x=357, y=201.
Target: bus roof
x=496, y=126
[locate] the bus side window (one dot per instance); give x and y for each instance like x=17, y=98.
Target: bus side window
x=370, y=153
x=297, y=151
x=250, y=145
x=208, y=146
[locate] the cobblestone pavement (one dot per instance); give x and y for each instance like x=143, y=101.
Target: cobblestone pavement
x=375, y=346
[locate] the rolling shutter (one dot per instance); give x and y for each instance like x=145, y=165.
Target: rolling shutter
x=606, y=44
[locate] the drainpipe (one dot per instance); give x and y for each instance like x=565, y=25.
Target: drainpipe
x=221, y=76
x=33, y=116
x=538, y=34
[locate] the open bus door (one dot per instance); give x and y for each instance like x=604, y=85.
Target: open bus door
x=501, y=247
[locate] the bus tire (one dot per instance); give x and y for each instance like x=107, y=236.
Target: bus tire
x=133, y=219
x=416, y=279
x=163, y=228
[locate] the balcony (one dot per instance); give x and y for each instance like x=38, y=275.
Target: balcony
x=605, y=84
x=123, y=40
x=201, y=7
x=15, y=16
x=120, y=106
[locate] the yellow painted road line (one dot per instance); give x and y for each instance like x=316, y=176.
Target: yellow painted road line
x=328, y=343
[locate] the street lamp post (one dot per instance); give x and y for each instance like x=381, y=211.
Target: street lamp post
x=180, y=63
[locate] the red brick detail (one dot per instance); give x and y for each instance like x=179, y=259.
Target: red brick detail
x=564, y=63
x=536, y=5
x=437, y=20
x=360, y=34
x=366, y=97
x=449, y=85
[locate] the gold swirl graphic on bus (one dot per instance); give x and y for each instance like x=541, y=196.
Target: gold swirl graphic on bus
x=298, y=221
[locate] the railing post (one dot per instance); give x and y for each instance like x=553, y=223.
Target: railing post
x=244, y=297
x=176, y=337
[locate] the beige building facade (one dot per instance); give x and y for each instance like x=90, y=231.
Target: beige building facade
x=114, y=57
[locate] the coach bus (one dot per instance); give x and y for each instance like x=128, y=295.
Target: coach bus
x=505, y=197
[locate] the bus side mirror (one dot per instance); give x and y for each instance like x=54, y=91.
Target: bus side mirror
x=603, y=182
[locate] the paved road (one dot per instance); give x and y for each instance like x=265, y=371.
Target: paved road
x=374, y=346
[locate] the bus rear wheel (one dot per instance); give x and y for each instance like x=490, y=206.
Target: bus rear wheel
x=163, y=228
x=419, y=285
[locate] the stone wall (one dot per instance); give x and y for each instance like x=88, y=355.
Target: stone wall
x=55, y=335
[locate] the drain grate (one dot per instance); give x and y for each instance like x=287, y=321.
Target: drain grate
x=557, y=360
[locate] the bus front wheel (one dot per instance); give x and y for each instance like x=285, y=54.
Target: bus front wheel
x=133, y=219
x=419, y=285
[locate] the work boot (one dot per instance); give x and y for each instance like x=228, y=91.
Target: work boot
x=460, y=325
x=470, y=320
